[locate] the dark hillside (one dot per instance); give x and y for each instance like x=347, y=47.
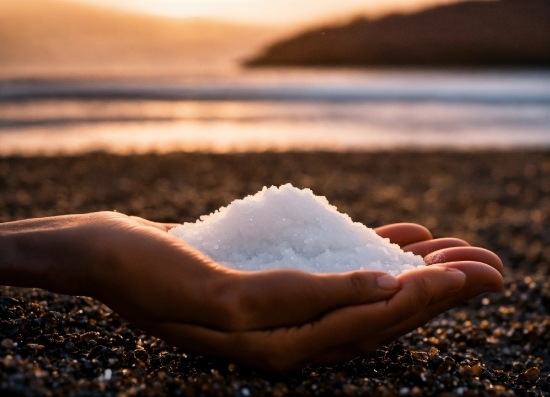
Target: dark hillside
x=472, y=33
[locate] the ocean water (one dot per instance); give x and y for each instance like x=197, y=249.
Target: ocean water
x=279, y=110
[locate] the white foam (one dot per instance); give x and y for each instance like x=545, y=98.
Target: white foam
x=293, y=228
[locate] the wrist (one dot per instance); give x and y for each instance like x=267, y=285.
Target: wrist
x=19, y=264
x=49, y=253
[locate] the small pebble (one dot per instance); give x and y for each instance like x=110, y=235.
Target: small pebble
x=7, y=344
x=433, y=352
x=532, y=374
x=465, y=370
x=476, y=369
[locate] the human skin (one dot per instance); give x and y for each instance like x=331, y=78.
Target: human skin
x=278, y=319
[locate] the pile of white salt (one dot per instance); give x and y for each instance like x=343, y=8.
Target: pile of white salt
x=292, y=228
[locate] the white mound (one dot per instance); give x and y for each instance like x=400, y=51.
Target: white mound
x=293, y=228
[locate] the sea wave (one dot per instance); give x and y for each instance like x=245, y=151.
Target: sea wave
x=506, y=91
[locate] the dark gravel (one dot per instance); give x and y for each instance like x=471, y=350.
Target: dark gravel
x=496, y=345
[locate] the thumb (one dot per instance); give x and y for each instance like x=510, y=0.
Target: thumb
x=284, y=297
x=351, y=324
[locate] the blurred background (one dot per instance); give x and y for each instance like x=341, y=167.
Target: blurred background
x=139, y=76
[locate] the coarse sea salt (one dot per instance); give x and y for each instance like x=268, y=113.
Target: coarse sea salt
x=292, y=228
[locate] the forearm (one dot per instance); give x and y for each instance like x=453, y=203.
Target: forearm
x=49, y=253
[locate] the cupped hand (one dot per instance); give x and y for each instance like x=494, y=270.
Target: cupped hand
x=283, y=318
x=150, y=277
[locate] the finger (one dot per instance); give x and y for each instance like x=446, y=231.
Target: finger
x=455, y=254
x=419, y=288
x=306, y=296
x=423, y=248
x=404, y=233
x=479, y=278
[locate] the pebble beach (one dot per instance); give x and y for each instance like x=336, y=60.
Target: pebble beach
x=495, y=345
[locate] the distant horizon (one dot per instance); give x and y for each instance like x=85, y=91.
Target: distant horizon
x=258, y=12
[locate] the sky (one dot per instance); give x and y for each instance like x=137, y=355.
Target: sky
x=267, y=11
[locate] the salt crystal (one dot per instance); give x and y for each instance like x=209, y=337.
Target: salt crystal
x=292, y=228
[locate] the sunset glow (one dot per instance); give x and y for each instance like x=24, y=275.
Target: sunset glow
x=267, y=11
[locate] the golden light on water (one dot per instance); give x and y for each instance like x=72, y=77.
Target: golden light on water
x=141, y=126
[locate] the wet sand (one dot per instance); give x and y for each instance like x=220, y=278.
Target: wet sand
x=498, y=344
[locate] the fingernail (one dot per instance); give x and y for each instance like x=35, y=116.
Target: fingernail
x=456, y=278
x=387, y=282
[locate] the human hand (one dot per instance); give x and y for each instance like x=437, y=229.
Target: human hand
x=284, y=318
x=458, y=272
x=278, y=319
x=151, y=277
